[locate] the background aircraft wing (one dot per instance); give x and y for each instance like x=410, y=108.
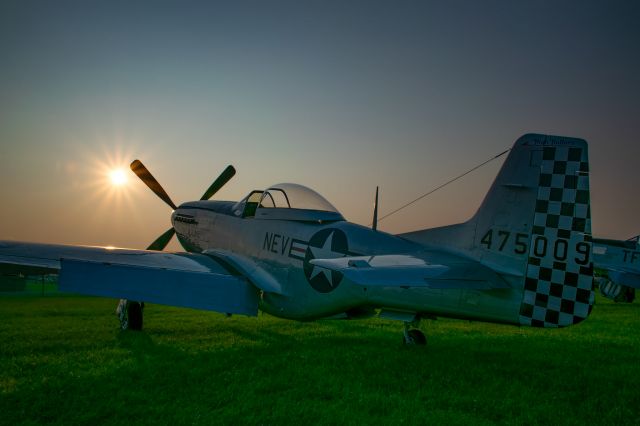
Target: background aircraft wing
x=176, y=279
x=413, y=271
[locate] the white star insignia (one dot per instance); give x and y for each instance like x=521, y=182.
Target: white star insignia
x=324, y=252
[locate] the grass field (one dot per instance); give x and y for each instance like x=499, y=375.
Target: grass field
x=64, y=361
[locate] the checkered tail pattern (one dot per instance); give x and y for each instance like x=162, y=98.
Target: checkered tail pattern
x=558, y=289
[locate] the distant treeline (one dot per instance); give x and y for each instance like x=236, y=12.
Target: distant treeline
x=28, y=284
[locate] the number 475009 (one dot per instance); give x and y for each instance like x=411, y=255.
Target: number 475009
x=500, y=240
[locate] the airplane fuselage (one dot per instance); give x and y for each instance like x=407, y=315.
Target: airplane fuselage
x=284, y=249
x=616, y=254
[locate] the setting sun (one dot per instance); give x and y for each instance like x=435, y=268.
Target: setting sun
x=118, y=177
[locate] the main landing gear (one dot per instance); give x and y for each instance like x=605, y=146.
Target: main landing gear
x=616, y=292
x=413, y=336
x=130, y=314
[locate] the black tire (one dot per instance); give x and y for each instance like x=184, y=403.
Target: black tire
x=415, y=337
x=630, y=295
x=134, y=314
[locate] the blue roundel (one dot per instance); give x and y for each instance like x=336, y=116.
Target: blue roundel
x=326, y=244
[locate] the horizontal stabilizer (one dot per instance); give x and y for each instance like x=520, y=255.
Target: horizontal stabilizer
x=199, y=290
x=412, y=271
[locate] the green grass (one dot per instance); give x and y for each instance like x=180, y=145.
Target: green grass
x=64, y=361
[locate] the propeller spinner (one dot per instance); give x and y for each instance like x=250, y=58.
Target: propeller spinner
x=145, y=175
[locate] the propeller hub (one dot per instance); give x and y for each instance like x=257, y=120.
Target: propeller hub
x=178, y=215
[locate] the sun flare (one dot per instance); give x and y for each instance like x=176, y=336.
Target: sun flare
x=118, y=177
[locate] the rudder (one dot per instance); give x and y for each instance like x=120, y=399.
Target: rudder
x=558, y=288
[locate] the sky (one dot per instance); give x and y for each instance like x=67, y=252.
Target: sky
x=341, y=96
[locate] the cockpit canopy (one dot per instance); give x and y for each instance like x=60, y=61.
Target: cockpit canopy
x=287, y=201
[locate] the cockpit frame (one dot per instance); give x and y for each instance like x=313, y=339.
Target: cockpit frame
x=292, y=202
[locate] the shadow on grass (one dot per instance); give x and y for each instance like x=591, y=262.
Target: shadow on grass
x=194, y=367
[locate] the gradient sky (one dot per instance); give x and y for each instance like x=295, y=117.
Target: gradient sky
x=337, y=95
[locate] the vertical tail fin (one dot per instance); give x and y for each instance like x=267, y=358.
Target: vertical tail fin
x=534, y=227
x=558, y=288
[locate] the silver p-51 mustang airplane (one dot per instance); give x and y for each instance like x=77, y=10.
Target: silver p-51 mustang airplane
x=524, y=258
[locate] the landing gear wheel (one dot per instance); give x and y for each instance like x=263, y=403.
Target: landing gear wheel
x=414, y=337
x=130, y=314
x=611, y=290
x=630, y=294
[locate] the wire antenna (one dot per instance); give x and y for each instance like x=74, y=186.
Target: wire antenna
x=444, y=184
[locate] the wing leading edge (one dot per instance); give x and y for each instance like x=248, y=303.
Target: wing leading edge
x=175, y=279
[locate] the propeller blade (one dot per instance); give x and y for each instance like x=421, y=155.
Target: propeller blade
x=224, y=177
x=141, y=171
x=374, y=225
x=161, y=242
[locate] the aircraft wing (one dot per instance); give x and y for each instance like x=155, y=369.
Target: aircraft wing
x=624, y=276
x=176, y=279
x=413, y=271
